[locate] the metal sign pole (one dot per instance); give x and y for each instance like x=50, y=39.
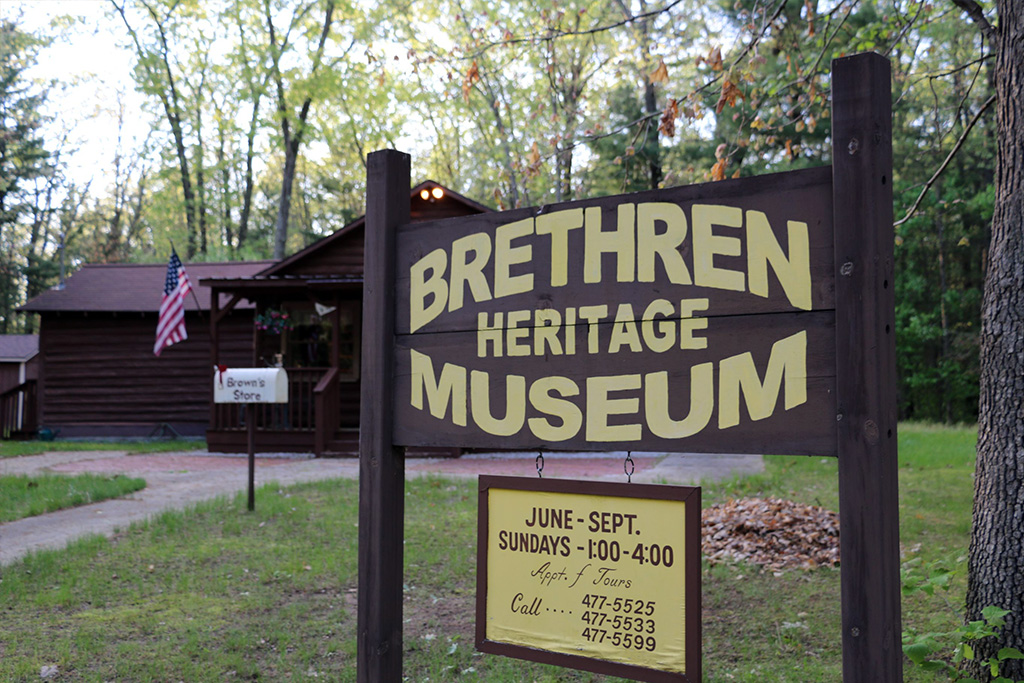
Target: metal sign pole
x=250, y=427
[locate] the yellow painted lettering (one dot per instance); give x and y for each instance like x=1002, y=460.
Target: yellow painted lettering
x=558, y=225
x=515, y=404
x=659, y=335
x=794, y=271
x=600, y=407
x=421, y=287
x=621, y=241
x=469, y=272
x=566, y=411
x=570, y=331
x=517, y=338
x=707, y=245
x=656, y=398
x=546, y=324
x=506, y=256
x=489, y=333
x=624, y=331
x=665, y=245
x=738, y=375
x=593, y=314
x=449, y=388
x=688, y=324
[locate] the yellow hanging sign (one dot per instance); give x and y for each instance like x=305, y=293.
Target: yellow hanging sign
x=597, y=576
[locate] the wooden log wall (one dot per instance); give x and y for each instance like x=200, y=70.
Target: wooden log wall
x=100, y=372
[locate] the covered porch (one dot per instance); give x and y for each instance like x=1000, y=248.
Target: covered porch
x=311, y=328
x=307, y=321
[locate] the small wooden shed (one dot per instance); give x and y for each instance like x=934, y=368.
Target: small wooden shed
x=98, y=376
x=320, y=291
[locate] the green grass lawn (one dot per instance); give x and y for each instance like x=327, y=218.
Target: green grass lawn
x=25, y=496
x=217, y=594
x=13, y=449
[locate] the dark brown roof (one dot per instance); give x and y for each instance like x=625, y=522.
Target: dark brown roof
x=133, y=287
x=417, y=212
x=18, y=348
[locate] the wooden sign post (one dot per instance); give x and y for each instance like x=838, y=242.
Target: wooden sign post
x=869, y=529
x=753, y=314
x=381, y=462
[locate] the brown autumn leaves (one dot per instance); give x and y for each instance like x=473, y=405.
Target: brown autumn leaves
x=774, y=533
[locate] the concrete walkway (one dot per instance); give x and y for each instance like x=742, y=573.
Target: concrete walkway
x=177, y=480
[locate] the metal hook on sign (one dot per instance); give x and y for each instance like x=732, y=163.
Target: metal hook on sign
x=540, y=465
x=628, y=466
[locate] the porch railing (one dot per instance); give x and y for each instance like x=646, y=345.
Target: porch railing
x=18, y=411
x=327, y=407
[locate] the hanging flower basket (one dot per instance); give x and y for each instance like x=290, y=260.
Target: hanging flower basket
x=273, y=321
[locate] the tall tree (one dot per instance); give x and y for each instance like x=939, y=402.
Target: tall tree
x=293, y=122
x=159, y=75
x=23, y=157
x=996, y=554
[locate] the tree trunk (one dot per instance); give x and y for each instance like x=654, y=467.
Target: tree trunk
x=243, y=220
x=200, y=180
x=225, y=191
x=651, y=147
x=291, y=154
x=996, y=555
x=292, y=140
x=186, y=182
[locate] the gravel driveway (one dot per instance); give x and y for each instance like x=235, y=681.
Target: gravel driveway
x=177, y=480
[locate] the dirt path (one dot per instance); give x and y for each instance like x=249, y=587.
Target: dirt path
x=177, y=480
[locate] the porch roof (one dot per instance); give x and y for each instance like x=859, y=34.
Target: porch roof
x=263, y=286
x=18, y=348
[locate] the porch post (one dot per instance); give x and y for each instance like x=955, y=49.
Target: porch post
x=214, y=352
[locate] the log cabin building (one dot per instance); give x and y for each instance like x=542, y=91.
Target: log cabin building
x=99, y=377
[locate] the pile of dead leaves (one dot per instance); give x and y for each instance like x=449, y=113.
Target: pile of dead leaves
x=774, y=533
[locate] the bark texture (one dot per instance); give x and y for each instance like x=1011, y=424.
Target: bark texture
x=996, y=556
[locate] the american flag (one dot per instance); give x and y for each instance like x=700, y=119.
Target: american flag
x=170, y=327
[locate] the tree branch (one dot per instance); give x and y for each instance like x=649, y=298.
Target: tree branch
x=945, y=164
x=553, y=33
x=977, y=15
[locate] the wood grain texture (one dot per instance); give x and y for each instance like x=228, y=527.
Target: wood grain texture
x=381, y=464
x=866, y=369
x=100, y=369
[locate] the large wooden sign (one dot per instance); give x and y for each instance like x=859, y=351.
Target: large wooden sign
x=597, y=576
x=695, y=318
x=751, y=315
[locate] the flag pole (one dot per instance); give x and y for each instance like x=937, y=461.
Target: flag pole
x=192, y=290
